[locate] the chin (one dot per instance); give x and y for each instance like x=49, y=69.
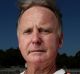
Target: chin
x=37, y=58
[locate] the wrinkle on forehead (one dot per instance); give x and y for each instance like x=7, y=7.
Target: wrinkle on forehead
x=40, y=12
x=44, y=16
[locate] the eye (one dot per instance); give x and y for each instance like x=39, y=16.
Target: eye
x=44, y=31
x=28, y=31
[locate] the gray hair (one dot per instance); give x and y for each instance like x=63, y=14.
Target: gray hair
x=51, y=4
x=25, y=4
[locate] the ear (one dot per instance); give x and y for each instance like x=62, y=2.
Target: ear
x=61, y=40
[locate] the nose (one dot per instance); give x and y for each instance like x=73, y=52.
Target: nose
x=36, y=39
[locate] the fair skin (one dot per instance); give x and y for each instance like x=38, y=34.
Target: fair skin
x=39, y=39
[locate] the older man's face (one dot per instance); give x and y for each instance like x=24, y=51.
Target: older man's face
x=38, y=35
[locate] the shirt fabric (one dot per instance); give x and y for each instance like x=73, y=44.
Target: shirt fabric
x=61, y=71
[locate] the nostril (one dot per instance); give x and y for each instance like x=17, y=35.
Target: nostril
x=37, y=42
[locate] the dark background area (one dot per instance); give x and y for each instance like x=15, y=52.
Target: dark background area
x=12, y=57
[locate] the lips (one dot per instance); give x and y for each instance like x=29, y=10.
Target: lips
x=31, y=51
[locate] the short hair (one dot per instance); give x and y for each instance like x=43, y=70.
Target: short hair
x=50, y=4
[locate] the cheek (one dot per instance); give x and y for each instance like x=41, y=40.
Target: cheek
x=51, y=42
x=23, y=46
x=24, y=42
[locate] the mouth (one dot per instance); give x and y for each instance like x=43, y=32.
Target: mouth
x=37, y=51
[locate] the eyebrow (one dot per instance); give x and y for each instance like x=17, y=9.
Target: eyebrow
x=51, y=28
x=27, y=29
x=47, y=29
x=39, y=28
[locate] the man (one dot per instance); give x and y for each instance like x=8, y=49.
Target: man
x=39, y=32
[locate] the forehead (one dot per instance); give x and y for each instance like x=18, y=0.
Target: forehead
x=38, y=15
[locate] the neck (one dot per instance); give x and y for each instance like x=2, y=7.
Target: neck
x=38, y=69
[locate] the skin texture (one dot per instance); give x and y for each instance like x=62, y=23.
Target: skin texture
x=39, y=39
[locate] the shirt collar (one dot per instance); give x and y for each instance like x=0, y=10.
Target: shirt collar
x=61, y=71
